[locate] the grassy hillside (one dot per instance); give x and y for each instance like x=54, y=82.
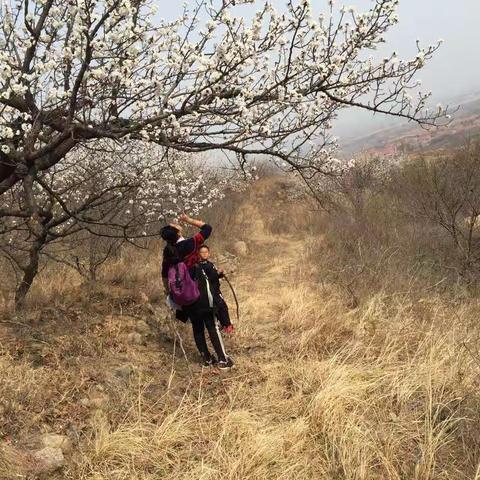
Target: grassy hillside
x=385, y=387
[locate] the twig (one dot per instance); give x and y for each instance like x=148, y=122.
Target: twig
x=475, y=357
x=172, y=370
x=177, y=334
x=234, y=296
x=15, y=323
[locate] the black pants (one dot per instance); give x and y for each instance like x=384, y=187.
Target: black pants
x=222, y=310
x=206, y=319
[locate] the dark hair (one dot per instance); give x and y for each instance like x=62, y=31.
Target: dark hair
x=204, y=246
x=169, y=234
x=170, y=253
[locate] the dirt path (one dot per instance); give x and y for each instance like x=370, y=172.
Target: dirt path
x=266, y=273
x=270, y=268
x=254, y=414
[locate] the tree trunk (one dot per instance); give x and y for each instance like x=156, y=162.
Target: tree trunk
x=92, y=259
x=92, y=273
x=37, y=226
x=29, y=273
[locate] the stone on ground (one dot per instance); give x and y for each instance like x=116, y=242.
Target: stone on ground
x=54, y=440
x=49, y=459
x=240, y=248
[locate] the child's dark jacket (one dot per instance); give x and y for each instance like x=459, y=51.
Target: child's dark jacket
x=212, y=274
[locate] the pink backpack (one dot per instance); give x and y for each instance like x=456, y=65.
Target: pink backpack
x=183, y=289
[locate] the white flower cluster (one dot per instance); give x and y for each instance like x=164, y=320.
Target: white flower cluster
x=111, y=69
x=125, y=191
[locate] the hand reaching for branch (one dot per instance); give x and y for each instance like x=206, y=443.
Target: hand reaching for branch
x=191, y=221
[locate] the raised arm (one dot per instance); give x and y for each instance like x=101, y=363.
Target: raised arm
x=191, y=221
x=205, y=229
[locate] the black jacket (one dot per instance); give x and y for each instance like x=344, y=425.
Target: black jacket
x=213, y=275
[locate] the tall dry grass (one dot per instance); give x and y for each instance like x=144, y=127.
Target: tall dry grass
x=382, y=388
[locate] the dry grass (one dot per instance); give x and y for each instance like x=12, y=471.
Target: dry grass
x=385, y=390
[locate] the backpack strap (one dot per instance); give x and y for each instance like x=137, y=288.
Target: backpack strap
x=178, y=281
x=194, y=271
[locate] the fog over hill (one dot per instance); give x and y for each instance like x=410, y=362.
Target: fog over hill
x=395, y=136
x=452, y=75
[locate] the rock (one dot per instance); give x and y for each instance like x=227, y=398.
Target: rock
x=49, y=459
x=135, y=338
x=85, y=402
x=143, y=327
x=124, y=372
x=240, y=248
x=54, y=440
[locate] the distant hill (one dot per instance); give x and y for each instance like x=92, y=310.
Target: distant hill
x=411, y=138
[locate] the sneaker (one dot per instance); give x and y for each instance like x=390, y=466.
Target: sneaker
x=228, y=329
x=209, y=362
x=225, y=364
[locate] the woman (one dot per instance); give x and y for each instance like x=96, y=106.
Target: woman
x=201, y=313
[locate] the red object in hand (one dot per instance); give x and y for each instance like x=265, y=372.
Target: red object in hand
x=228, y=329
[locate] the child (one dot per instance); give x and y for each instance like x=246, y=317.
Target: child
x=202, y=312
x=214, y=276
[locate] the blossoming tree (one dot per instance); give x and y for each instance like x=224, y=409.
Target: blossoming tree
x=94, y=200
x=76, y=70
x=74, y=73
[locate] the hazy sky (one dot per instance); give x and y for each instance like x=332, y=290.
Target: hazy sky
x=455, y=69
